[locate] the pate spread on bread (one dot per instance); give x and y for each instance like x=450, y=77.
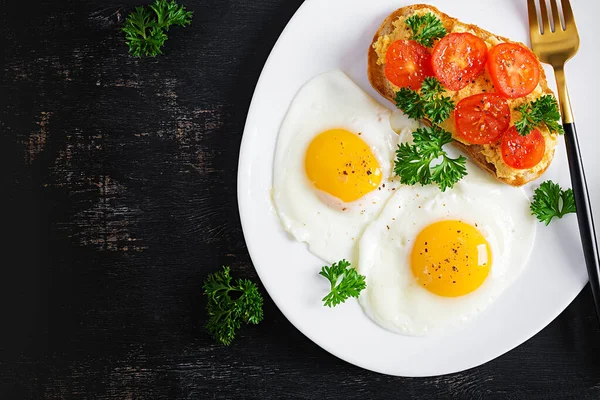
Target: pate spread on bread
x=488, y=156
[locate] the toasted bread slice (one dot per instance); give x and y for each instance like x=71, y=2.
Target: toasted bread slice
x=487, y=156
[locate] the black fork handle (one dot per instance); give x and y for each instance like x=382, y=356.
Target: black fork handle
x=584, y=213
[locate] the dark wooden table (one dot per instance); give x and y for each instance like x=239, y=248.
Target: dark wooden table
x=118, y=193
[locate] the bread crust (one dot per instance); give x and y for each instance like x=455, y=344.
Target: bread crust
x=380, y=83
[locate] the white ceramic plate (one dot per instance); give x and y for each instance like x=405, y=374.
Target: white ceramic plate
x=335, y=34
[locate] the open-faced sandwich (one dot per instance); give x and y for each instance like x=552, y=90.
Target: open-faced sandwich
x=489, y=92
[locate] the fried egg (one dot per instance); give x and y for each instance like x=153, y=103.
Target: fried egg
x=434, y=260
x=333, y=164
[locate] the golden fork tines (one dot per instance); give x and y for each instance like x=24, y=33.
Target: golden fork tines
x=554, y=40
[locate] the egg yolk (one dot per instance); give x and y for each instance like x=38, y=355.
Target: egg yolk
x=340, y=163
x=450, y=258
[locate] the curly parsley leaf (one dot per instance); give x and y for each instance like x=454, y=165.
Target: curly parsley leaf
x=426, y=28
x=145, y=27
x=550, y=201
x=544, y=110
x=436, y=106
x=431, y=87
x=413, y=162
x=430, y=103
x=345, y=283
x=170, y=13
x=448, y=172
x=230, y=304
x=410, y=102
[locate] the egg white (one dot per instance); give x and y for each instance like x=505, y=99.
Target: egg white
x=393, y=299
x=330, y=227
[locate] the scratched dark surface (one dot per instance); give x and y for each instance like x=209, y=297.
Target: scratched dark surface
x=118, y=193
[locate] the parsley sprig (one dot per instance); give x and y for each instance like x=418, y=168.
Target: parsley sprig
x=426, y=28
x=550, y=201
x=145, y=28
x=413, y=162
x=230, y=304
x=430, y=103
x=544, y=110
x=345, y=283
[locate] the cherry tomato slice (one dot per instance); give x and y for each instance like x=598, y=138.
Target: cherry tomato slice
x=522, y=152
x=458, y=58
x=514, y=69
x=407, y=64
x=481, y=118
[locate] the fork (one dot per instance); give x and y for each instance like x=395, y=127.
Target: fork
x=555, y=42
